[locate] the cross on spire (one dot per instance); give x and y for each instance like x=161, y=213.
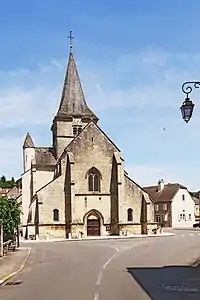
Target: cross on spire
x=70, y=37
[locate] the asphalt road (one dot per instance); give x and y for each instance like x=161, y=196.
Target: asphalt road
x=140, y=269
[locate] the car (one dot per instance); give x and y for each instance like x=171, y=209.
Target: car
x=196, y=225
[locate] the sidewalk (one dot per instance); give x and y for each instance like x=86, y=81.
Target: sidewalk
x=90, y=238
x=13, y=263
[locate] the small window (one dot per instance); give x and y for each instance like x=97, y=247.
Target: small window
x=181, y=216
x=184, y=218
x=130, y=214
x=56, y=214
x=165, y=206
x=190, y=217
x=79, y=130
x=158, y=218
x=75, y=131
x=157, y=207
x=183, y=197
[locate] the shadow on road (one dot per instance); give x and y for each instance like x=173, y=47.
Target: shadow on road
x=170, y=282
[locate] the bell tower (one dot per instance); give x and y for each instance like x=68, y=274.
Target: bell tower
x=73, y=113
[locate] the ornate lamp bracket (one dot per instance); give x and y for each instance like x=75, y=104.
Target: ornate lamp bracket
x=188, y=86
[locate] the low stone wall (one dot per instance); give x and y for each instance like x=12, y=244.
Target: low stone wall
x=129, y=229
x=51, y=232
x=151, y=227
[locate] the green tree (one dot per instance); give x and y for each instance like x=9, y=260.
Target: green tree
x=3, y=179
x=10, y=211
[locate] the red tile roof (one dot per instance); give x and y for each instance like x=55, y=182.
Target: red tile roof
x=166, y=194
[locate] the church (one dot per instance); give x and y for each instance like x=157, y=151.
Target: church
x=78, y=186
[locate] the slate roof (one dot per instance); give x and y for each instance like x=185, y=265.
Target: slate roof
x=72, y=100
x=45, y=156
x=166, y=194
x=196, y=200
x=28, y=142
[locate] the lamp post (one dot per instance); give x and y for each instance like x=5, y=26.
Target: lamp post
x=187, y=106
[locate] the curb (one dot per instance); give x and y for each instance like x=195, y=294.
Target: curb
x=5, y=278
x=101, y=239
x=195, y=264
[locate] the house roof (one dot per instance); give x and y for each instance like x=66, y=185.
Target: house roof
x=44, y=156
x=73, y=100
x=196, y=200
x=166, y=194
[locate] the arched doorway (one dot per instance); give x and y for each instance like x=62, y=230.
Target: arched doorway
x=93, y=224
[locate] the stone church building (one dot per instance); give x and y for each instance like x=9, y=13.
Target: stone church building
x=78, y=186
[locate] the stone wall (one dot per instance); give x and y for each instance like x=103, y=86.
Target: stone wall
x=91, y=149
x=133, y=200
x=51, y=197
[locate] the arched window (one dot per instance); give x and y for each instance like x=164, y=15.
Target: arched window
x=130, y=214
x=94, y=180
x=56, y=214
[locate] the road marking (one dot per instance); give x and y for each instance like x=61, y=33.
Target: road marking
x=98, y=282
x=180, y=288
x=182, y=234
x=191, y=233
x=96, y=296
x=99, y=278
x=114, y=248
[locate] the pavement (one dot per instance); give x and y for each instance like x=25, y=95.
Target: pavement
x=107, y=237
x=13, y=263
x=128, y=269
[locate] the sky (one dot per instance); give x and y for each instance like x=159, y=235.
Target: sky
x=132, y=57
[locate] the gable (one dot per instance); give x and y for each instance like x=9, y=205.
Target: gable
x=91, y=136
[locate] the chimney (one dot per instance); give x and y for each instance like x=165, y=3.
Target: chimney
x=160, y=185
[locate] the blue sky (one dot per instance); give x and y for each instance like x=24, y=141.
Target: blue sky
x=132, y=57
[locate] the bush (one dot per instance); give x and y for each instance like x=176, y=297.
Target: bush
x=10, y=211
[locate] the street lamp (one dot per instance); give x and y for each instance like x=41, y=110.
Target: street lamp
x=187, y=106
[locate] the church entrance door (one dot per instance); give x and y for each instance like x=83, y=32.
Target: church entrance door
x=93, y=226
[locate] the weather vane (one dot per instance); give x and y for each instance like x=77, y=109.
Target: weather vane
x=70, y=37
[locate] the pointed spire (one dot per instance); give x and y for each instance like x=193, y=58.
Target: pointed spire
x=73, y=101
x=28, y=142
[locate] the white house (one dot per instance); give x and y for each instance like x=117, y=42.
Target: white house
x=174, y=206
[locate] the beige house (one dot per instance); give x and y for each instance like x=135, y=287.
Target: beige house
x=79, y=186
